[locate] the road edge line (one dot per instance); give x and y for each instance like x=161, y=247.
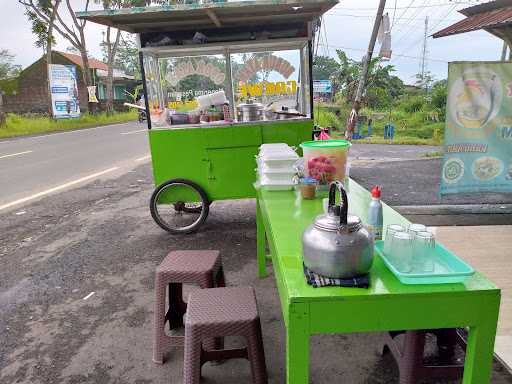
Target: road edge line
x=15, y=154
x=57, y=188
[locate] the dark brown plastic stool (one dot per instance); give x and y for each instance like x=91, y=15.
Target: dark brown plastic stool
x=203, y=268
x=409, y=357
x=221, y=312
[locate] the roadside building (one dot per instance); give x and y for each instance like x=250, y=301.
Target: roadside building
x=494, y=17
x=28, y=93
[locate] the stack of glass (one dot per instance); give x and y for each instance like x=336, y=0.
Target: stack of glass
x=411, y=249
x=276, y=166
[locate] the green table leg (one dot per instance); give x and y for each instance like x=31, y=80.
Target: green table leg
x=480, y=348
x=297, y=345
x=260, y=242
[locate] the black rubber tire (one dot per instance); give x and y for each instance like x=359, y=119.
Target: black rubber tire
x=189, y=229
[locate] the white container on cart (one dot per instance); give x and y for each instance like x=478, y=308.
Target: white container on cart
x=275, y=185
x=278, y=160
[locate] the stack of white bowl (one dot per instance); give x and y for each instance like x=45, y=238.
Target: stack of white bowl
x=276, y=166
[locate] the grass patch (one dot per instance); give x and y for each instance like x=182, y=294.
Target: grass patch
x=434, y=154
x=399, y=140
x=415, y=128
x=17, y=125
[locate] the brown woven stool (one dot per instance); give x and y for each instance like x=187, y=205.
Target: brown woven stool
x=203, y=268
x=410, y=357
x=221, y=312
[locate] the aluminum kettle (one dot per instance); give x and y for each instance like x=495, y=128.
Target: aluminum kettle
x=337, y=244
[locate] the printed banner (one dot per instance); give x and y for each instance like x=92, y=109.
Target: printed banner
x=478, y=134
x=91, y=90
x=64, y=90
x=322, y=86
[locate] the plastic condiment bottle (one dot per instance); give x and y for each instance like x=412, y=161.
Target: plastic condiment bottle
x=375, y=220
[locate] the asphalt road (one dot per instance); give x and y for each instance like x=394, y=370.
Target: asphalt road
x=31, y=167
x=76, y=294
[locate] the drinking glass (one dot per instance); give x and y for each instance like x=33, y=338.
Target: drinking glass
x=424, y=246
x=390, y=231
x=401, y=251
x=415, y=228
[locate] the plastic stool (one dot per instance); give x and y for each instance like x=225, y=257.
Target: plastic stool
x=221, y=312
x=203, y=268
x=410, y=357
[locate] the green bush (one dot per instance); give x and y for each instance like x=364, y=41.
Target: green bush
x=326, y=119
x=378, y=97
x=411, y=104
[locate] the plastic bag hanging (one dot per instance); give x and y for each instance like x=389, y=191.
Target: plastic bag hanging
x=384, y=38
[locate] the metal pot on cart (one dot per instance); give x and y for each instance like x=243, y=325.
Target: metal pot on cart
x=201, y=64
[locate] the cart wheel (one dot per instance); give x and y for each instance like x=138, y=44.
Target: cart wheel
x=179, y=217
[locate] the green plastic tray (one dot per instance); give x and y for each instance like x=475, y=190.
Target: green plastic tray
x=448, y=268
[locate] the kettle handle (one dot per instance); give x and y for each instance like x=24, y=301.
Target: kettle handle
x=344, y=199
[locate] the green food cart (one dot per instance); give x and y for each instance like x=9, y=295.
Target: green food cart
x=220, y=79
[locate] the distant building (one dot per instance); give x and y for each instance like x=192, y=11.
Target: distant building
x=28, y=93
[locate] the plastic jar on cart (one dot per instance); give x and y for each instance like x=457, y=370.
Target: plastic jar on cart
x=326, y=160
x=307, y=187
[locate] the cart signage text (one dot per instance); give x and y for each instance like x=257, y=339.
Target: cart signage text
x=268, y=88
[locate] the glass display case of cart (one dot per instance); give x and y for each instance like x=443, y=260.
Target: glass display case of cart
x=267, y=85
x=227, y=85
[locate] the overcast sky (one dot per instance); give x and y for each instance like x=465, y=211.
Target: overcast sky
x=348, y=26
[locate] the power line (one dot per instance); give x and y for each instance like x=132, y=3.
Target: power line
x=407, y=32
x=406, y=56
x=444, y=18
x=325, y=36
x=430, y=30
x=404, y=12
x=394, y=13
x=372, y=17
x=413, y=6
x=324, y=43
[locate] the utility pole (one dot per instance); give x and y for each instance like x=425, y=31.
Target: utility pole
x=424, y=53
x=354, y=114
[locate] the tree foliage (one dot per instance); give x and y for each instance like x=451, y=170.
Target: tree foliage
x=127, y=56
x=7, y=67
x=423, y=104
x=72, y=29
x=40, y=28
x=324, y=67
x=382, y=86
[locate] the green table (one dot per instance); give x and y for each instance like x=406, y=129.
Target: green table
x=386, y=306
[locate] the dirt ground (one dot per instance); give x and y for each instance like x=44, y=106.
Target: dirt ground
x=101, y=239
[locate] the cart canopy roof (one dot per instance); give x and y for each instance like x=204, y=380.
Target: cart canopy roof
x=190, y=17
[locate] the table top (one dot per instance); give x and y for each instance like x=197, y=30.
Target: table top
x=286, y=215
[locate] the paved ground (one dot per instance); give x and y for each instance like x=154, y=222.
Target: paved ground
x=31, y=165
x=100, y=238
x=408, y=177
x=380, y=152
